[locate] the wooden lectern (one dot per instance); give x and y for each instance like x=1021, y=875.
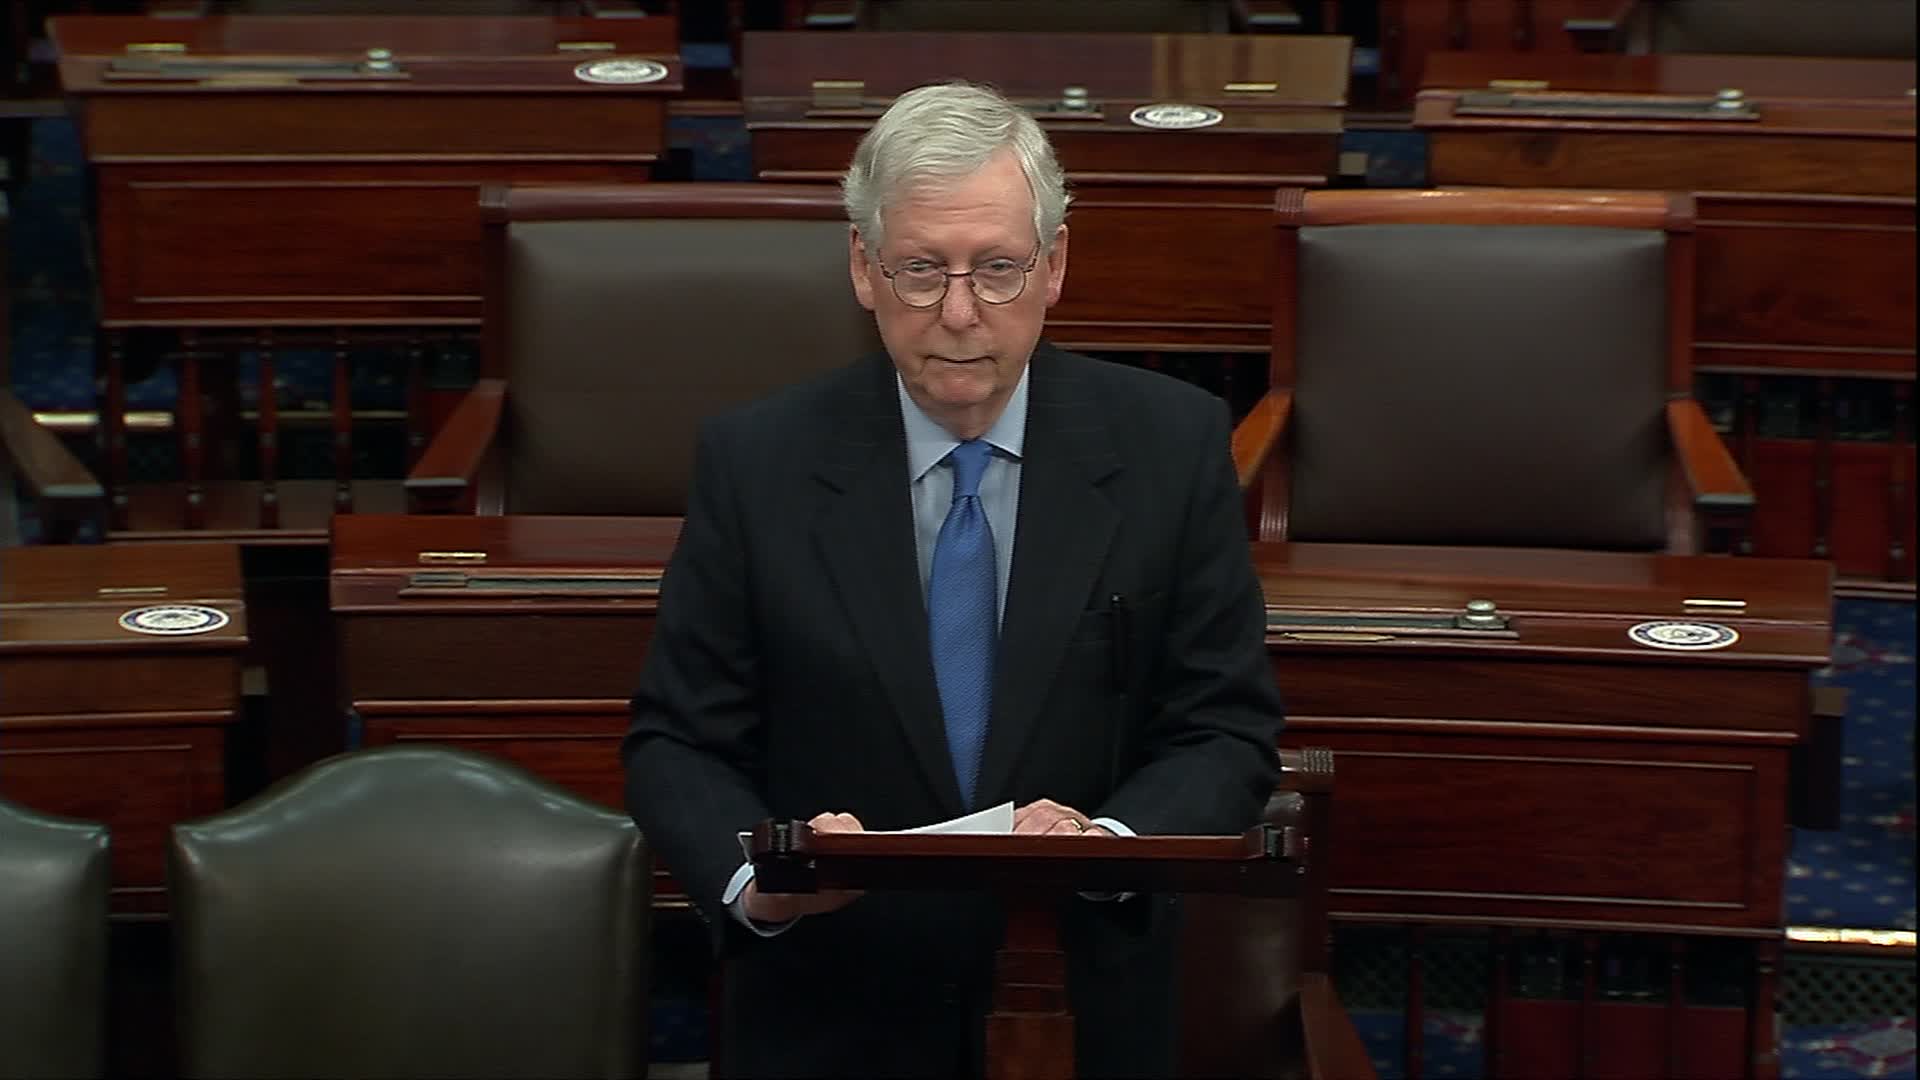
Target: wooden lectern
x=1030, y=1027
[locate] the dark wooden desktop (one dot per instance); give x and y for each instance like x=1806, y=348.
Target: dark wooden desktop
x=248, y=206
x=105, y=724
x=1806, y=271
x=1169, y=227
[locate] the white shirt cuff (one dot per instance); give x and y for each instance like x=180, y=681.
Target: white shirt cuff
x=733, y=896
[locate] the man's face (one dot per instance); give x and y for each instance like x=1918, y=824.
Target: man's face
x=961, y=358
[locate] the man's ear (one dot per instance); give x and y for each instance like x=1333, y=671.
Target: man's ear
x=858, y=265
x=1057, y=267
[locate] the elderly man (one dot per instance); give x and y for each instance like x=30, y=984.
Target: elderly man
x=975, y=569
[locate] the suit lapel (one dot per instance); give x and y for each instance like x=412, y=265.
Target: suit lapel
x=864, y=534
x=1066, y=522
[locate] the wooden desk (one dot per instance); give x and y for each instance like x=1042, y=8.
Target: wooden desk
x=1416, y=34
x=1560, y=775
x=1839, y=127
x=326, y=204
x=539, y=674
x=1169, y=227
x=103, y=723
x=1806, y=272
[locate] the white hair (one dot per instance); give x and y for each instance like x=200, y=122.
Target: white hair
x=947, y=131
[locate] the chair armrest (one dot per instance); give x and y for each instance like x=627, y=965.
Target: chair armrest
x=1334, y=1049
x=1714, y=479
x=1605, y=31
x=447, y=472
x=63, y=487
x=1259, y=434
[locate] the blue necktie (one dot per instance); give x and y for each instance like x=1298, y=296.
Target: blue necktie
x=962, y=603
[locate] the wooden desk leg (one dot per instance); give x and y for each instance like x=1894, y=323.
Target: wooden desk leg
x=1676, y=1001
x=113, y=427
x=1492, y=1028
x=1589, y=995
x=1823, y=472
x=1899, y=488
x=193, y=440
x=342, y=425
x=1747, y=428
x=1414, y=1032
x=1030, y=1030
x=1762, y=1018
x=417, y=407
x=267, y=406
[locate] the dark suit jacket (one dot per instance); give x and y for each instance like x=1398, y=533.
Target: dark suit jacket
x=790, y=675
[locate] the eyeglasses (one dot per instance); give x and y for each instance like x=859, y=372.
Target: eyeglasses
x=922, y=283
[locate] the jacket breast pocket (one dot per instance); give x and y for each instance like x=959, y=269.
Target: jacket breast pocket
x=1132, y=616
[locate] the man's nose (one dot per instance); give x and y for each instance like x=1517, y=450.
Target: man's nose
x=959, y=308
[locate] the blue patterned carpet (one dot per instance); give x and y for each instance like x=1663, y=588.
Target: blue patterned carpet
x=1862, y=874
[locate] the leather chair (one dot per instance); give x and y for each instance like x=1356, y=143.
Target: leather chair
x=54, y=876
x=411, y=912
x=1256, y=990
x=65, y=495
x=1858, y=28
x=1501, y=368
x=616, y=319
x=32, y=459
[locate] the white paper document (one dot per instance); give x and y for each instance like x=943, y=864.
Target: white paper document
x=993, y=821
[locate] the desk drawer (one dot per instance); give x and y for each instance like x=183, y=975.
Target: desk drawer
x=1433, y=827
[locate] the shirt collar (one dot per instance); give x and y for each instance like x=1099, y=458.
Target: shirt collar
x=928, y=443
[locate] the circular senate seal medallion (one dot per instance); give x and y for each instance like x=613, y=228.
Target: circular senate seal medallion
x=173, y=620
x=1688, y=636
x=620, y=72
x=1175, y=117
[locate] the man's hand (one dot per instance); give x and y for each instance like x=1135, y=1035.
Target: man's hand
x=785, y=907
x=1047, y=816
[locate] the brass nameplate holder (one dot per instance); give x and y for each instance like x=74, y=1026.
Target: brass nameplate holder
x=1479, y=621
x=131, y=590
x=635, y=584
x=583, y=46
x=1556, y=105
x=846, y=99
x=839, y=93
x=452, y=558
x=1699, y=603
x=237, y=70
